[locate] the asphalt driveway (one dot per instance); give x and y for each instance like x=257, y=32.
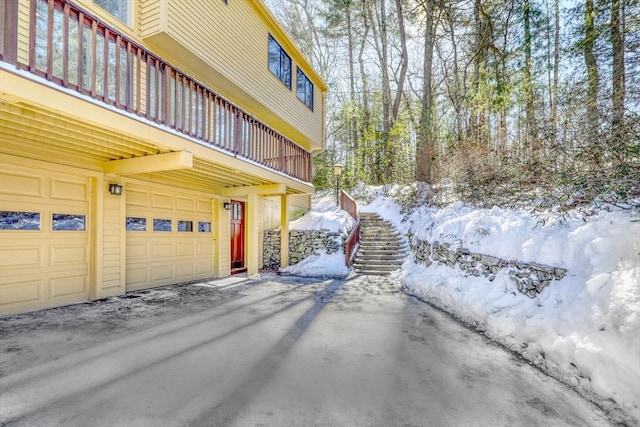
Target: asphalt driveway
x=275, y=352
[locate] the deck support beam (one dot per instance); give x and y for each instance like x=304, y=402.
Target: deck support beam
x=150, y=164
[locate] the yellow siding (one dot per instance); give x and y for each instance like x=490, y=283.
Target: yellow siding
x=149, y=17
x=23, y=32
x=112, y=245
x=298, y=205
x=233, y=40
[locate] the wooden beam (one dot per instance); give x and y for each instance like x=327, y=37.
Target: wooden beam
x=252, y=241
x=149, y=164
x=261, y=190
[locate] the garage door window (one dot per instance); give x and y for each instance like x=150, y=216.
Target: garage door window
x=185, y=226
x=10, y=220
x=68, y=222
x=161, y=224
x=136, y=224
x=204, y=227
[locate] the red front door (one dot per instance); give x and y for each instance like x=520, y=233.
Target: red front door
x=237, y=236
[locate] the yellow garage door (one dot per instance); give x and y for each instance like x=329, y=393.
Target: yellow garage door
x=169, y=237
x=44, y=238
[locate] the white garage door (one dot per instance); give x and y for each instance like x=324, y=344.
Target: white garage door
x=44, y=238
x=169, y=237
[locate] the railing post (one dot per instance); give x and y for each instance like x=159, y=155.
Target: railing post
x=9, y=31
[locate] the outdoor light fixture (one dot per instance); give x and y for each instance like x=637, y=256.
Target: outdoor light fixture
x=115, y=189
x=337, y=170
x=226, y=206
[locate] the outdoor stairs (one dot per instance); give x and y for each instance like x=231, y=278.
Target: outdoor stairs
x=382, y=248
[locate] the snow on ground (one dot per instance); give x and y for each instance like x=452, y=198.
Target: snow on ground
x=584, y=329
x=325, y=215
x=319, y=265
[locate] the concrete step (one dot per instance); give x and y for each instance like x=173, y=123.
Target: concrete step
x=383, y=246
x=382, y=240
x=378, y=263
x=378, y=267
x=387, y=256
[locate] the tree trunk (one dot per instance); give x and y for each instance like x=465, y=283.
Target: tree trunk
x=592, y=80
x=425, y=149
x=556, y=66
x=353, y=122
x=532, y=126
x=618, y=83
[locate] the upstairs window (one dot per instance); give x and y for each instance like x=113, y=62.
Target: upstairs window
x=121, y=9
x=279, y=62
x=304, y=89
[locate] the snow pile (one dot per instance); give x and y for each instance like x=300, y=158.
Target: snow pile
x=319, y=265
x=584, y=329
x=324, y=216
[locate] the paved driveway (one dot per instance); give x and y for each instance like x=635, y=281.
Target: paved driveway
x=277, y=352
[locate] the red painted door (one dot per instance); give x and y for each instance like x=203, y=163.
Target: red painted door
x=237, y=235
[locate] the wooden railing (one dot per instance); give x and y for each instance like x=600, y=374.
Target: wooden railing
x=71, y=48
x=352, y=242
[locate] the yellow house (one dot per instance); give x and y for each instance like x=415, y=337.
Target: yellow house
x=140, y=141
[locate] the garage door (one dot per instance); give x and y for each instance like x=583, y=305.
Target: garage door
x=44, y=238
x=169, y=237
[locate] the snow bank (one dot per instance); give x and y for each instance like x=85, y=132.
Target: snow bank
x=319, y=265
x=584, y=329
x=325, y=216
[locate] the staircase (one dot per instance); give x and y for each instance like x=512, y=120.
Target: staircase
x=382, y=248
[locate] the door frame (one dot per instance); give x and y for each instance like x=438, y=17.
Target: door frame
x=238, y=265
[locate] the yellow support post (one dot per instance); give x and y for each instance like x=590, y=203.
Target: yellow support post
x=284, y=230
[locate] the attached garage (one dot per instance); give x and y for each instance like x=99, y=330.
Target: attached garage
x=45, y=237
x=169, y=236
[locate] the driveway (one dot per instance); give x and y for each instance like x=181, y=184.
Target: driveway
x=275, y=352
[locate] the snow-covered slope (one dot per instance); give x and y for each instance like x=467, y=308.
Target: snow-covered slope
x=584, y=329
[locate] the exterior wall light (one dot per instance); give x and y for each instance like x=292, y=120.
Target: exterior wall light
x=115, y=189
x=227, y=206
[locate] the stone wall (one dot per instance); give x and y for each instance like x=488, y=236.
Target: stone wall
x=529, y=278
x=302, y=244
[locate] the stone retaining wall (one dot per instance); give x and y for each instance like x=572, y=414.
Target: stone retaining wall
x=302, y=244
x=529, y=278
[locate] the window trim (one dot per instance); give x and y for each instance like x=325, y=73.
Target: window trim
x=282, y=54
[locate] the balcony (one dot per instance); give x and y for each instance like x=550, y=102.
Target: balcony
x=75, y=50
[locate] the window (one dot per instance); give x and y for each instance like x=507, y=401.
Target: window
x=204, y=227
x=68, y=222
x=185, y=226
x=161, y=224
x=121, y=9
x=19, y=220
x=279, y=62
x=136, y=224
x=304, y=89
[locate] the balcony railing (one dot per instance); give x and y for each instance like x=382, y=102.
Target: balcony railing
x=73, y=49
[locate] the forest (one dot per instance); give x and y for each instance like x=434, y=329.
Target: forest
x=497, y=101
